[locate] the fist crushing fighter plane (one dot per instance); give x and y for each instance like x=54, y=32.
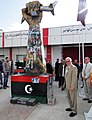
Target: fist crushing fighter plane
x=33, y=12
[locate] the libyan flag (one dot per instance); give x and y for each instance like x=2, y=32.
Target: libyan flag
x=82, y=11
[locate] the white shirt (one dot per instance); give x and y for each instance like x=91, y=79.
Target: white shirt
x=63, y=71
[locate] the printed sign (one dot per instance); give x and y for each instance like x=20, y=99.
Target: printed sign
x=35, y=80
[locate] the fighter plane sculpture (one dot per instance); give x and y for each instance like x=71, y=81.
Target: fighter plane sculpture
x=33, y=12
x=33, y=16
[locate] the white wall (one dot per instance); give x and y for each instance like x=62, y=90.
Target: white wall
x=70, y=34
x=16, y=39
x=5, y=52
x=56, y=53
x=55, y=37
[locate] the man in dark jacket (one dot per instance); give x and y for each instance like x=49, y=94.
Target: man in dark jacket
x=78, y=68
x=62, y=74
x=56, y=70
x=49, y=67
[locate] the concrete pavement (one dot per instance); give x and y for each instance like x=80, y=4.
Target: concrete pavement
x=41, y=111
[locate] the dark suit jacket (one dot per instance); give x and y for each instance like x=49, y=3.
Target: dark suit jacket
x=60, y=70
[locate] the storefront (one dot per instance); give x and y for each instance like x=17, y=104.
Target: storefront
x=59, y=42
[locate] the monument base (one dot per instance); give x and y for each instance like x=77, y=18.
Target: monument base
x=23, y=101
x=37, y=87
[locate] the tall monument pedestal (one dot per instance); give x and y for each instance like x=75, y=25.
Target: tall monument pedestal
x=34, y=83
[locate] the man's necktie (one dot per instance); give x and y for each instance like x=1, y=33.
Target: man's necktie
x=67, y=70
x=85, y=69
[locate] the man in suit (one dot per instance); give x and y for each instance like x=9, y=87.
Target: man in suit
x=71, y=86
x=56, y=70
x=86, y=75
x=78, y=67
x=49, y=67
x=62, y=75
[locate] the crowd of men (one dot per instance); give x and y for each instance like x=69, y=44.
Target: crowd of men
x=4, y=73
x=67, y=74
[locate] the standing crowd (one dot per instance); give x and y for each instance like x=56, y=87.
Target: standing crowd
x=4, y=73
x=67, y=74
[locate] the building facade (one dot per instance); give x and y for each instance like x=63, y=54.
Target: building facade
x=58, y=42
x=74, y=41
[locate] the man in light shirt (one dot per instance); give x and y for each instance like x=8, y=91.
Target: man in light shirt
x=86, y=75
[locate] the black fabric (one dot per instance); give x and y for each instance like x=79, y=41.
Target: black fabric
x=61, y=78
x=1, y=66
x=49, y=68
x=72, y=114
x=56, y=71
x=61, y=81
x=18, y=88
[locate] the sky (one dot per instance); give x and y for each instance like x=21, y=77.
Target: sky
x=65, y=14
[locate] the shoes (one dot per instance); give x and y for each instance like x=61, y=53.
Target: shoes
x=0, y=87
x=72, y=114
x=7, y=86
x=89, y=101
x=62, y=89
x=85, y=99
x=68, y=109
x=4, y=87
x=82, y=86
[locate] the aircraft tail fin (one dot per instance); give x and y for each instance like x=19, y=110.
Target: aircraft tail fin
x=52, y=5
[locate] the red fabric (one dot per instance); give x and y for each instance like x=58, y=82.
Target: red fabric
x=21, y=78
x=45, y=36
x=48, y=57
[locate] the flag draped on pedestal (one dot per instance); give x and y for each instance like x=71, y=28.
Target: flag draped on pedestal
x=82, y=11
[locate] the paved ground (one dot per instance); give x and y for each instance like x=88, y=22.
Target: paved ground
x=41, y=111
